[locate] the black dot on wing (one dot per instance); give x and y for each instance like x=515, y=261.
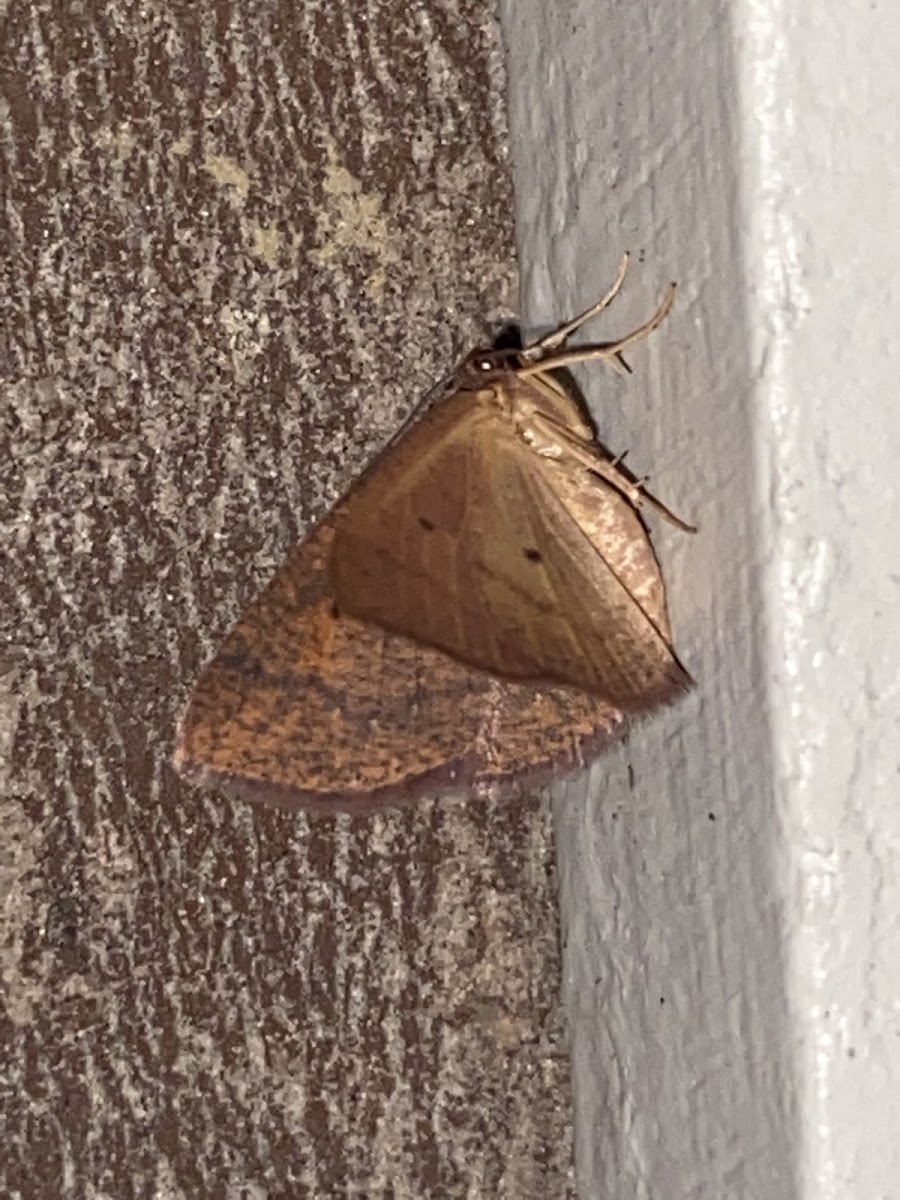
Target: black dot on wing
x=426, y=524
x=532, y=555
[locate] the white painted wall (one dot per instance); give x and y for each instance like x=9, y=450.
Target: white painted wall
x=732, y=918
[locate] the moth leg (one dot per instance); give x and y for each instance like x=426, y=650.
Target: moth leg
x=608, y=351
x=561, y=445
x=635, y=491
x=558, y=337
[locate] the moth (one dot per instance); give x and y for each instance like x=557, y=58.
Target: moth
x=483, y=608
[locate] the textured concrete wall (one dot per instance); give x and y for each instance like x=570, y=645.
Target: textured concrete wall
x=238, y=242
x=729, y=887
x=822, y=180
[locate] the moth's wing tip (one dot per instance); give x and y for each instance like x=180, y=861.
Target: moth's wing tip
x=678, y=682
x=679, y=675
x=674, y=683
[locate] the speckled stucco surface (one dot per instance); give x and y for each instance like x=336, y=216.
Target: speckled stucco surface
x=239, y=242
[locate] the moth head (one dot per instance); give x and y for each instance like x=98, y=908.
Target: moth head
x=486, y=365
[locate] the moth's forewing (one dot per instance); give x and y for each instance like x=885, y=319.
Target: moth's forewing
x=465, y=538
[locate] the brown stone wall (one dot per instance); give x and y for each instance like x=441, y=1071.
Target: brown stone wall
x=238, y=241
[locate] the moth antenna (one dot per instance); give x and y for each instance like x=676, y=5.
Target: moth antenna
x=558, y=337
x=610, y=352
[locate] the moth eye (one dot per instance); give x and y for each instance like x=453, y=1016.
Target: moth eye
x=532, y=555
x=426, y=524
x=485, y=364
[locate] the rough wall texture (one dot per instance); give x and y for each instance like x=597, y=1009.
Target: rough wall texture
x=239, y=240
x=823, y=192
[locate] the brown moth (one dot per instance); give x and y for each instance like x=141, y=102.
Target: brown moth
x=484, y=606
